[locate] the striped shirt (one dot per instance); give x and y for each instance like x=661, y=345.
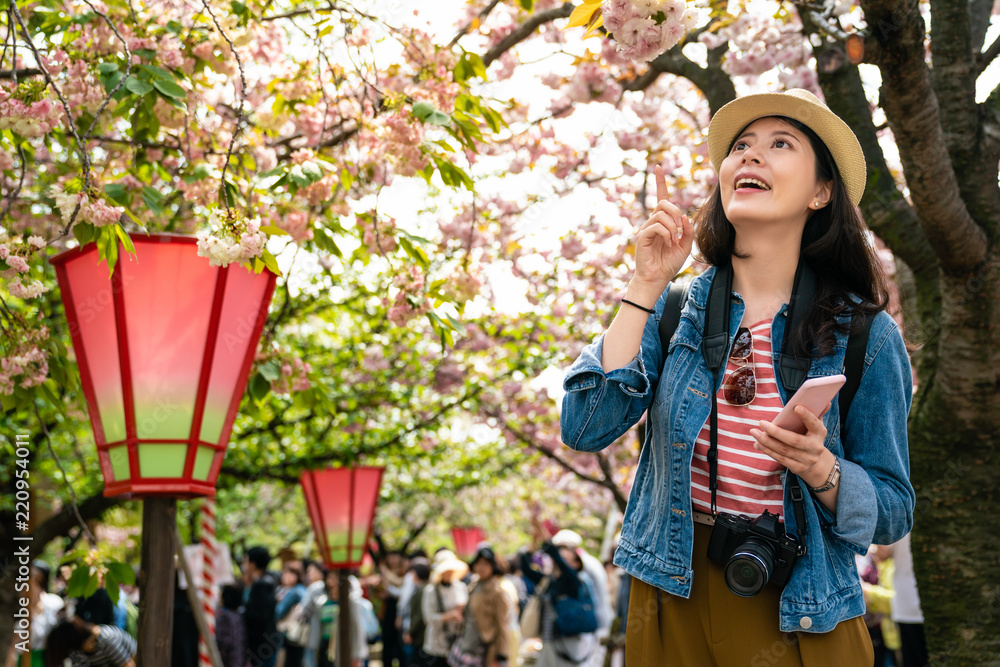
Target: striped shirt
x=749, y=481
x=113, y=648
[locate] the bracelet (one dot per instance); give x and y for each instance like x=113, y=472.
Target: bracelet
x=635, y=305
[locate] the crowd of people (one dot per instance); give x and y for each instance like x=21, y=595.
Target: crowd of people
x=420, y=610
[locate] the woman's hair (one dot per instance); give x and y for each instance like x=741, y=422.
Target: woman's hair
x=834, y=244
x=295, y=570
x=65, y=638
x=232, y=596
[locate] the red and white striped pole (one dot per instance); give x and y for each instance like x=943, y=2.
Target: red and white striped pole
x=208, y=596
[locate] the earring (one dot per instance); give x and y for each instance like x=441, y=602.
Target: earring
x=815, y=204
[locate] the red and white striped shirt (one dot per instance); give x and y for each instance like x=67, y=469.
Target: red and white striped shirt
x=749, y=481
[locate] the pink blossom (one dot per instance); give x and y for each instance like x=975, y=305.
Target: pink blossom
x=17, y=263
x=616, y=13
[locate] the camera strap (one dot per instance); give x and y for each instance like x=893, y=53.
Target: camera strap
x=715, y=348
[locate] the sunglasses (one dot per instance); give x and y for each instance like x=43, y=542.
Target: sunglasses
x=740, y=387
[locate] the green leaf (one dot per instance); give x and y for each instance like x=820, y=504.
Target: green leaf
x=526, y=4
x=345, y=178
x=414, y=252
x=93, y=583
x=111, y=585
x=169, y=89
x=138, y=87
x=271, y=230
x=157, y=72
x=153, y=199
x=111, y=80
x=270, y=371
x=107, y=68
x=270, y=261
x=78, y=581
x=312, y=170
x=259, y=387
x=118, y=193
x=422, y=110
x=124, y=238
x=123, y=572
x=84, y=232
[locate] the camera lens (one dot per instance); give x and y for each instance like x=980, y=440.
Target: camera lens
x=750, y=567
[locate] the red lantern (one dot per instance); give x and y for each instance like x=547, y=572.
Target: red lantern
x=467, y=538
x=341, y=504
x=164, y=346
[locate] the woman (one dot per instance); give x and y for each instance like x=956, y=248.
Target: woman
x=567, y=578
x=290, y=592
x=486, y=632
x=790, y=176
x=442, y=605
x=89, y=644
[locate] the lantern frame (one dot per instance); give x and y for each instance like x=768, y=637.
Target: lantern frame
x=318, y=487
x=197, y=449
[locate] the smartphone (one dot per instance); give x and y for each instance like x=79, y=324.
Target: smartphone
x=815, y=394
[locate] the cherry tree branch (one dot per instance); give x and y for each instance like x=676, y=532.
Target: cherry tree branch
x=523, y=31
x=464, y=30
x=16, y=74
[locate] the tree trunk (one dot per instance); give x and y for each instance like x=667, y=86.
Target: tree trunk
x=954, y=442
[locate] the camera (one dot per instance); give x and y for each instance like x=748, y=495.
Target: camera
x=753, y=551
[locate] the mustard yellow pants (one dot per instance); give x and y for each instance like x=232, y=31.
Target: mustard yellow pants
x=716, y=628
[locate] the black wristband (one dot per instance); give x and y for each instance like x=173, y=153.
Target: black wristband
x=635, y=305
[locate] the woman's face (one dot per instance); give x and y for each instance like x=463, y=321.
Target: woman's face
x=482, y=568
x=769, y=177
x=289, y=578
x=314, y=573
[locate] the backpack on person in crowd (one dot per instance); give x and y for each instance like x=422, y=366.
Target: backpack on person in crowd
x=576, y=615
x=418, y=627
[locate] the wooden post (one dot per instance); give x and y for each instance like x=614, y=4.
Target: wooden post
x=156, y=582
x=344, y=651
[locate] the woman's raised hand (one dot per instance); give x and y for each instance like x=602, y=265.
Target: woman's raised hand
x=662, y=245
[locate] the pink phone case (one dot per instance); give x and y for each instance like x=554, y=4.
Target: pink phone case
x=815, y=394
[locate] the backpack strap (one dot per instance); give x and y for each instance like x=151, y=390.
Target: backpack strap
x=676, y=297
x=854, y=361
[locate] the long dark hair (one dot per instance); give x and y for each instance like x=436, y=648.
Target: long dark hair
x=834, y=244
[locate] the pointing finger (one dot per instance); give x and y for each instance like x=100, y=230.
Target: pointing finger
x=661, y=184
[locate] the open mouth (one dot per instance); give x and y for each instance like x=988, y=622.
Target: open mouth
x=752, y=184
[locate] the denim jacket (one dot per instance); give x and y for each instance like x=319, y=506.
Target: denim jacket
x=875, y=501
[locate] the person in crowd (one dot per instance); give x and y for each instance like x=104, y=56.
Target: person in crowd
x=230, y=635
x=46, y=610
x=311, y=602
x=906, y=612
x=98, y=609
x=566, y=579
x=416, y=627
x=599, y=580
x=392, y=570
x=875, y=569
x=289, y=593
x=88, y=645
x=486, y=630
x=263, y=639
x=788, y=253
x=404, y=607
x=329, y=619
x=443, y=602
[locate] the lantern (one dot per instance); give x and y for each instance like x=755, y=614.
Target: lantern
x=341, y=504
x=164, y=344
x=467, y=538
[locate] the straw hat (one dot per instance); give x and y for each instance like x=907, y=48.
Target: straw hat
x=800, y=105
x=567, y=538
x=446, y=561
